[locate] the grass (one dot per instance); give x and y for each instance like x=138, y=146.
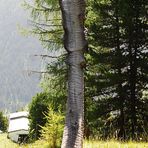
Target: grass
x=6, y=143
x=114, y=144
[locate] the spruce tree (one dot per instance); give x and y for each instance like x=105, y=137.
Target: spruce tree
x=119, y=27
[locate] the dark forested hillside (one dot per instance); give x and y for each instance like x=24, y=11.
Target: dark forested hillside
x=16, y=58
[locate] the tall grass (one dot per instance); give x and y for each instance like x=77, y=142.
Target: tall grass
x=114, y=144
x=6, y=143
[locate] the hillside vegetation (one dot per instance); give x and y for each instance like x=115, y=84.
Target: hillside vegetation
x=6, y=143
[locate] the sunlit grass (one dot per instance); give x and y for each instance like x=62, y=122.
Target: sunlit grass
x=114, y=144
x=6, y=143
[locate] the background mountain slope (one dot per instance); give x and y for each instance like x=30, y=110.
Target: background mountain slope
x=16, y=58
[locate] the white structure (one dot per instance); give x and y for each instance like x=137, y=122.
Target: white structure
x=18, y=125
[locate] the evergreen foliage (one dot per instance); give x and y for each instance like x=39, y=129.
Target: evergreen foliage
x=47, y=27
x=53, y=129
x=116, y=71
x=3, y=122
x=53, y=95
x=46, y=22
x=37, y=109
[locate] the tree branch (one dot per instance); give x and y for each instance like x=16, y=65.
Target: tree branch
x=48, y=56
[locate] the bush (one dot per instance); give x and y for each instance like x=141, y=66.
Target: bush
x=37, y=109
x=3, y=122
x=53, y=129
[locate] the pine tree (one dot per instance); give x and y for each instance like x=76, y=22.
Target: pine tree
x=119, y=29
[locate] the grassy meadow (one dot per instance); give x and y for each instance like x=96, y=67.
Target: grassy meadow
x=6, y=143
x=113, y=144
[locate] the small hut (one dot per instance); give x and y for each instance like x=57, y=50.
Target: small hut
x=18, y=129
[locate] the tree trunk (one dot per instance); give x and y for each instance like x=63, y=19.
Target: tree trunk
x=132, y=84
x=73, y=12
x=121, y=134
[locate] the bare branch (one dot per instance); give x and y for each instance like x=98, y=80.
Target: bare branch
x=45, y=21
x=48, y=41
x=29, y=72
x=40, y=72
x=43, y=8
x=43, y=24
x=41, y=30
x=50, y=9
x=48, y=56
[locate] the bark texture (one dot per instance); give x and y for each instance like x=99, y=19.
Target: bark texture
x=73, y=12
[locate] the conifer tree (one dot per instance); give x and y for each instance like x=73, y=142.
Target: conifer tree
x=119, y=29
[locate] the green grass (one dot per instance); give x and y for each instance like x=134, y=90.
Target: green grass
x=6, y=143
x=114, y=144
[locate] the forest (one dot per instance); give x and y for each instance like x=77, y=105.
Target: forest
x=98, y=85
x=114, y=45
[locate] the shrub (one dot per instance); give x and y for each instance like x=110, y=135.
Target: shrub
x=53, y=129
x=37, y=109
x=3, y=122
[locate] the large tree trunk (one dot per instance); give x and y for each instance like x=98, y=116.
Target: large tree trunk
x=73, y=12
